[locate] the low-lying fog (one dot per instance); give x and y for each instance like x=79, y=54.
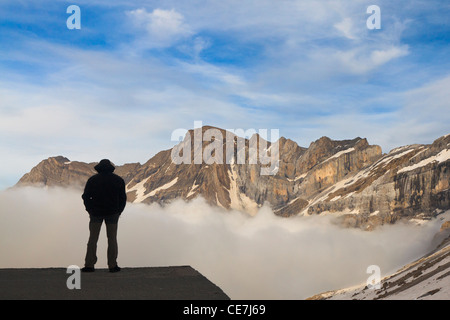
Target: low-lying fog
x=261, y=257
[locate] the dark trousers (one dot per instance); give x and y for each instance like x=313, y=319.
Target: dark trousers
x=95, y=225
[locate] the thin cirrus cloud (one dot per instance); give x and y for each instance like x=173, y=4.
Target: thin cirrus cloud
x=356, y=61
x=136, y=71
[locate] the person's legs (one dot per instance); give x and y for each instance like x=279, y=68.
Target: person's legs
x=91, y=253
x=111, y=233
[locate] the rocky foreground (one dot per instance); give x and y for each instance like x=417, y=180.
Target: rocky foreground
x=427, y=278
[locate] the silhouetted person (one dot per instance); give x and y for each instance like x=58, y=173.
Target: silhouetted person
x=104, y=198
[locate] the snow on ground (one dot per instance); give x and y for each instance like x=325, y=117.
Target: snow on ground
x=218, y=202
x=337, y=186
x=398, y=149
x=140, y=189
x=435, y=284
x=427, y=278
x=293, y=200
x=336, y=198
x=363, y=174
x=442, y=156
x=298, y=178
x=338, y=154
x=166, y=186
x=375, y=213
x=240, y=201
x=417, y=154
x=193, y=188
x=390, y=157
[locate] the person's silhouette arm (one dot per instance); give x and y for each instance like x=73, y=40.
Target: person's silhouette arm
x=87, y=196
x=122, y=197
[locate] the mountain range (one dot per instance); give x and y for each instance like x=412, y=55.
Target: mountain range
x=349, y=179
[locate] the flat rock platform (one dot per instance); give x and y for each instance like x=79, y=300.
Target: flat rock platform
x=149, y=283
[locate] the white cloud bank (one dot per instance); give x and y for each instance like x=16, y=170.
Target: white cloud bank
x=163, y=27
x=264, y=257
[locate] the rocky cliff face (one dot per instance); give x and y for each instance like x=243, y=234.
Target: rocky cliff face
x=58, y=171
x=350, y=179
x=409, y=182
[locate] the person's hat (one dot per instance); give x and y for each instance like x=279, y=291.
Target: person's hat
x=104, y=166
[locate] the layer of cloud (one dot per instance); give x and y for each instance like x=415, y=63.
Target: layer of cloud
x=261, y=257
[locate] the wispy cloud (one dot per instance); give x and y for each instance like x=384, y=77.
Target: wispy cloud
x=163, y=27
x=362, y=61
x=138, y=70
x=346, y=26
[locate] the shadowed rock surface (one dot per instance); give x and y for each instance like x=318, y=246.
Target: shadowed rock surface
x=156, y=283
x=351, y=179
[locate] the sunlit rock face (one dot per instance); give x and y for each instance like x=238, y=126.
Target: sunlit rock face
x=350, y=179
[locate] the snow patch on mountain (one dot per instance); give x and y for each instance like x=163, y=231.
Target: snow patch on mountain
x=427, y=278
x=442, y=156
x=141, y=189
x=298, y=178
x=392, y=156
x=239, y=201
x=340, y=153
x=166, y=186
x=193, y=188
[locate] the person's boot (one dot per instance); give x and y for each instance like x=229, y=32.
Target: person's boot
x=87, y=269
x=115, y=269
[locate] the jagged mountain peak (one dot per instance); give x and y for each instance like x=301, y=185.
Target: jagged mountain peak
x=60, y=159
x=235, y=133
x=326, y=142
x=349, y=177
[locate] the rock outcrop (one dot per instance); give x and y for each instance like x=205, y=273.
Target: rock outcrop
x=350, y=179
x=409, y=182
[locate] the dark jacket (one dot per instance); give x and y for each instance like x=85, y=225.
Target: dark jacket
x=104, y=193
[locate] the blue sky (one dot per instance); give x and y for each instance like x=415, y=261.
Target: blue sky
x=138, y=70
